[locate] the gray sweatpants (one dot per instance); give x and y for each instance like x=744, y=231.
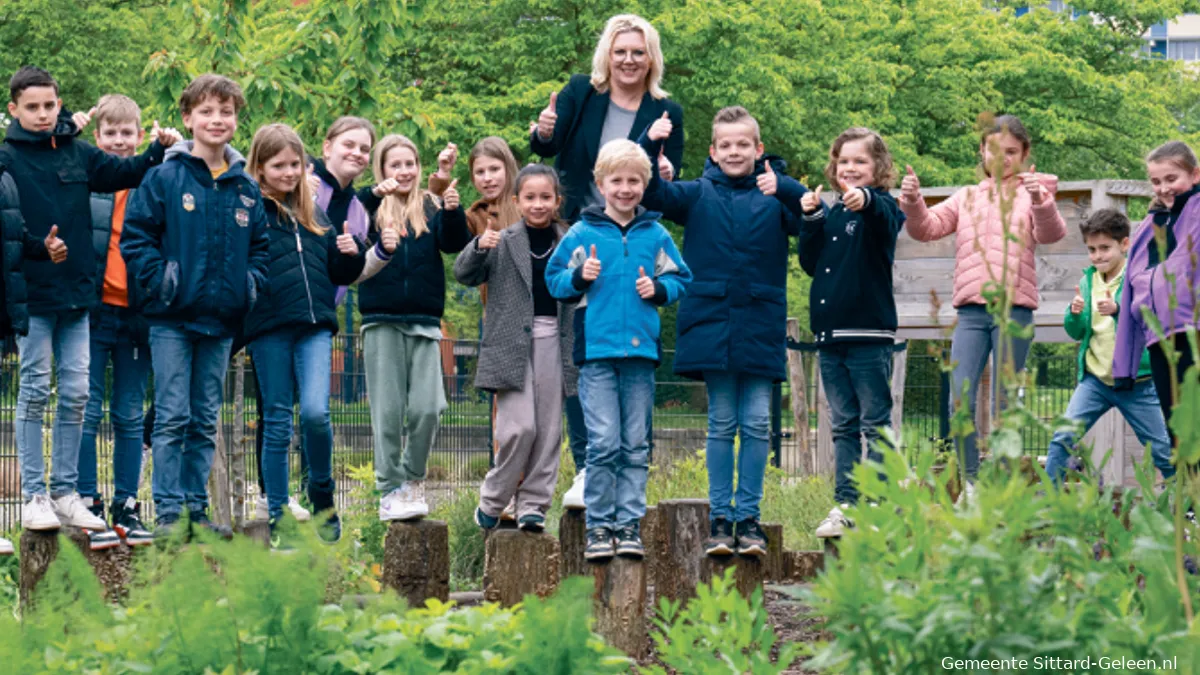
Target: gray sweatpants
x=404, y=378
x=529, y=432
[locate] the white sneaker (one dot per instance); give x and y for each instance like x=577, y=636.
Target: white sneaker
x=387, y=505
x=6, y=547
x=834, y=523
x=298, y=512
x=71, y=511
x=261, y=511
x=411, y=503
x=967, y=496
x=573, y=499
x=38, y=514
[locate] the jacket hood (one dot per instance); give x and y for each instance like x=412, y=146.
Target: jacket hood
x=595, y=215
x=64, y=128
x=713, y=172
x=183, y=151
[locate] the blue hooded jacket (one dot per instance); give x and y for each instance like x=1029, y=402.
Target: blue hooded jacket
x=612, y=321
x=197, y=246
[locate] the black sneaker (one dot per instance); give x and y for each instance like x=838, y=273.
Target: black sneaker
x=484, y=520
x=720, y=538
x=751, y=540
x=201, y=519
x=599, y=545
x=277, y=539
x=99, y=540
x=330, y=531
x=532, y=522
x=128, y=524
x=629, y=542
x=94, y=505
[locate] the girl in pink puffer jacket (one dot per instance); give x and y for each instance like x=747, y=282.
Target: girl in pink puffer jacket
x=973, y=215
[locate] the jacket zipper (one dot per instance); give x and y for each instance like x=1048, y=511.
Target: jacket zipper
x=304, y=273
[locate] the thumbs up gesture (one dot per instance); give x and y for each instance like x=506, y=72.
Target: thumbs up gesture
x=488, y=239
x=165, y=137
x=55, y=246
x=82, y=119
x=811, y=201
x=389, y=238
x=853, y=198
x=645, y=285
x=450, y=198
x=768, y=182
x=446, y=160
x=548, y=118
x=666, y=170
x=1032, y=186
x=1107, y=307
x=910, y=186
x=591, y=266
x=1077, y=302
x=661, y=129
x=345, y=241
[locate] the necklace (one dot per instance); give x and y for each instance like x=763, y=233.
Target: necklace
x=540, y=256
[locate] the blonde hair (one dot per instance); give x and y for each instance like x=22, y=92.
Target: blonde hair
x=621, y=154
x=407, y=211
x=269, y=141
x=117, y=109
x=497, y=148
x=736, y=114
x=601, y=59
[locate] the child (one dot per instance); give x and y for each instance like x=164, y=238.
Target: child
x=1175, y=177
x=735, y=238
x=55, y=174
x=401, y=311
x=849, y=251
x=117, y=332
x=291, y=330
x=195, y=241
x=1092, y=319
x=973, y=216
x=605, y=258
x=530, y=371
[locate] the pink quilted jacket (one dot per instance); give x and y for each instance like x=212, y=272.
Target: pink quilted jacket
x=973, y=215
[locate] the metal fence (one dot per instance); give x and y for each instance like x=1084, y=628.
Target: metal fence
x=462, y=452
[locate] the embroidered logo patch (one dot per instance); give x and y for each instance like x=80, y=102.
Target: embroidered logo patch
x=243, y=217
x=850, y=227
x=248, y=201
x=189, y=202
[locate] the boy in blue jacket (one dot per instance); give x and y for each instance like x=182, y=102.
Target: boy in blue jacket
x=195, y=241
x=732, y=325
x=604, y=258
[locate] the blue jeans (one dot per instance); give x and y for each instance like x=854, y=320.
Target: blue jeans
x=576, y=431
x=112, y=337
x=737, y=401
x=65, y=337
x=618, y=398
x=189, y=380
x=976, y=336
x=286, y=362
x=1139, y=406
x=857, y=379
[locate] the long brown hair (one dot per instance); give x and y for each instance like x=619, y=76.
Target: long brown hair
x=297, y=204
x=497, y=148
x=404, y=212
x=1010, y=124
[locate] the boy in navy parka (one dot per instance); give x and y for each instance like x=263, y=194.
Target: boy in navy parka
x=195, y=241
x=625, y=266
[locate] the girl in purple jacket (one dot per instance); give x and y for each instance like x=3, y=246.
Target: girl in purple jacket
x=1175, y=176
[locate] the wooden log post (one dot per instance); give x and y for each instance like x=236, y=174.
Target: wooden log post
x=899, y=375
x=775, y=562
x=572, y=540
x=238, y=470
x=416, y=560
x=683, y=527
x=40, y=548
x=651, y=536
x=518, y=563
x=220, y=501
x=748, y=571
x=619, y=605
x=823, y=460
x=798, y=457
x=804, y=566
x=258, y=530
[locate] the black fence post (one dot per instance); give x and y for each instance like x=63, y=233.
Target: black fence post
x=777, y=425
x=943, y=400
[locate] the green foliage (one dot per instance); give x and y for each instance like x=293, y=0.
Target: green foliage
x=466, y=539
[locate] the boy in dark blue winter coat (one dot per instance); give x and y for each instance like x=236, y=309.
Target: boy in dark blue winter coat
x=849, y=251
x=732, y=324
x=195, y=241
x=625, y=266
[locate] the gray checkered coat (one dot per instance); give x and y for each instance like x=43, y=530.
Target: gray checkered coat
x=507, y=329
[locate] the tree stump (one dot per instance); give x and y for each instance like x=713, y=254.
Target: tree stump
x=416, y=560
x=619, y=605
x=804, y=565
x=518, y=563
x=682, y=529
x=572, y=540
x=258, y=530
x=748, y=573
x=651, y=537
x=776, y=558
x=39, y=549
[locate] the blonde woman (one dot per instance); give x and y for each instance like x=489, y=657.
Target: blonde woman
x=401, y=309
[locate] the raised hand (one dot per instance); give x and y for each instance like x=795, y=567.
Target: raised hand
x=488, y=239
x=55, y=246
x=386, y=187
x=314, y=182
x=548, y=118
x=1077, y=302
x=446, y=160
x=661, y=129
x=1032, y=186
x=82, y=119
x=811, y=201
x=389, y=237
x=165, y=137
x=910, y=186
x=853, y=198
x=666, y=170
x=645, y=285
x=591, y=266
x=768, y=182
x=1107, y=307
x=345, y=241
x=450, y=198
